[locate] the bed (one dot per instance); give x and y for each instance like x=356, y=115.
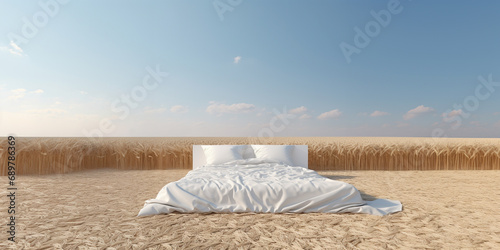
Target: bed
x=259, y=179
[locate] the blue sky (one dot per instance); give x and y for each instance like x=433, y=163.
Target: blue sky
x=250, y=68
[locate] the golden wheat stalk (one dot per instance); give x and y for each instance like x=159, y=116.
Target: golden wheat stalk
x=63, y=155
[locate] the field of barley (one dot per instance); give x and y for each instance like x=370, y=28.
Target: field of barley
x=46, y=155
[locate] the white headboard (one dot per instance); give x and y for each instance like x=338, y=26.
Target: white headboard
x=299, y=157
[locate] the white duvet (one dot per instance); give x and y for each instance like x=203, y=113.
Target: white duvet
x=262, y=187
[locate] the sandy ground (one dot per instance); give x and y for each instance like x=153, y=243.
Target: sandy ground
x=97, y=209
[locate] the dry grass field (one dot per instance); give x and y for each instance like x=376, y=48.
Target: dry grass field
x=64, y=155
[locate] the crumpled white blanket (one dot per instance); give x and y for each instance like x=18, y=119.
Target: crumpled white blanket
x=260, y=186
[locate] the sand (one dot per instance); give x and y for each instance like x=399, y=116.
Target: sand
x=96, y=209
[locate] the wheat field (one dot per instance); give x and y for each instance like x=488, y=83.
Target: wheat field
x=46, y=155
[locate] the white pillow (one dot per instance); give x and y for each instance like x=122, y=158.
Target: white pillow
x=279, y=153
x=248, y=152
x=219, y=154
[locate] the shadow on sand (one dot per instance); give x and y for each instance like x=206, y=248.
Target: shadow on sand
x=364, y=195
x=339, y=177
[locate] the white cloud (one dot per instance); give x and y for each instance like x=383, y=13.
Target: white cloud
x=47, y=111
x=475, y=123
x=13, y=49
x=304, y=117
x=451, y=114
x=17, y=94
x=417, y=111
x=20, y=93
x=237, y=59
x=285, y=116
x=150, y=110
x=15, y=46
x=179, y=109
x=219, y=108
x=83, y=92
x=48, y=122
x=298, y=110
x=330, y=114
x=378, y=113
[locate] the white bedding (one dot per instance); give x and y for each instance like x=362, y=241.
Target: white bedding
x=255, y=185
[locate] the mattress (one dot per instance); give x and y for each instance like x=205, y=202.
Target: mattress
x=262, y=186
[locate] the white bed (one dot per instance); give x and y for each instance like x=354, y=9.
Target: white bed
x=299, y=156
x=259, y=179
